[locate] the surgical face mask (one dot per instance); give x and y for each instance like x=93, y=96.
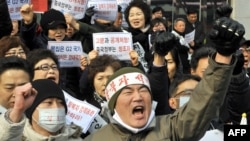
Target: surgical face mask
x=51, y=119
x=182, y=100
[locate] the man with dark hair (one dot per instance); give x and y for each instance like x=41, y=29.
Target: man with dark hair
x=199, y=60
x=193, y=25
x=236, y=100
x=16, y=93
x=130, y=88
x=157, y=12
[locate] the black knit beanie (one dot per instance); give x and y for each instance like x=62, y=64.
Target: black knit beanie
x=51, y=19
x=46, y=88
x=120, y=79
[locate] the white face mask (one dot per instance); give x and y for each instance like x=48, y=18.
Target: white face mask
x=183, y=100
x=51, y=119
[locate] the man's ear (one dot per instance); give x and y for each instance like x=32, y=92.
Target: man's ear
x=172, y=103
x=192, y=71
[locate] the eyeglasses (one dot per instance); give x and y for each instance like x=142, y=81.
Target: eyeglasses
x=186, y=92
x=15, y=53
x=46, y=67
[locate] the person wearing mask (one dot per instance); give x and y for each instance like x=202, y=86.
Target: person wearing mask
x=181, y=91
x=130, y=88
x=45, y=116
x=235, y=102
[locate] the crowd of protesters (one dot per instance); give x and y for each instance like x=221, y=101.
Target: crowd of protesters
x=198, y=87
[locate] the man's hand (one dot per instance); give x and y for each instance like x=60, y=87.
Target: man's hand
x=227, y=34
x=71, y=21
x=24, y=97
x=27, y=13
x=84, y=62
x=92, y=55
x=134, y=57
x=164, y=42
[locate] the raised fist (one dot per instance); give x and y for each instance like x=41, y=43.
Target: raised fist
x=164, y=42
x=90, y=11
x=227, y=34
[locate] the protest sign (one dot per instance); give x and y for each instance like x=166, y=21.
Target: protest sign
x=117, y=44
x=68, y=52
x=104, y=9
x=190, y=36
x=80, y=112
x=141, y=53
x=76, y=8
x=14, y=7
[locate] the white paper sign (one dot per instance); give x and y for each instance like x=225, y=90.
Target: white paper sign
x=139, y=49
x=80, y=112
x=190, y=36
x=213, y=135
x=97, y=124
x=14, y=8
x=68, y=52
x=104, y=9
x=117, y=44
x=76, y=8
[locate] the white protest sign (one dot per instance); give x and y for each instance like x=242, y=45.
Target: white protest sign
x=68, y=52
x=76, y=8
x=117, y=44
x=139, y=49
x=104, y=9
x=213, y=135
x=80, y=112
x=97, y=124
x=14, y=8
x=190, y=36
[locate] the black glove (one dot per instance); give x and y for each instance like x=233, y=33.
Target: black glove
x=227, y=34
x=239, y=64
x=164, y=42
x=224, y=10
x=90, y=11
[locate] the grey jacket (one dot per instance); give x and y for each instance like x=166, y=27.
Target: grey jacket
x=190, y=122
